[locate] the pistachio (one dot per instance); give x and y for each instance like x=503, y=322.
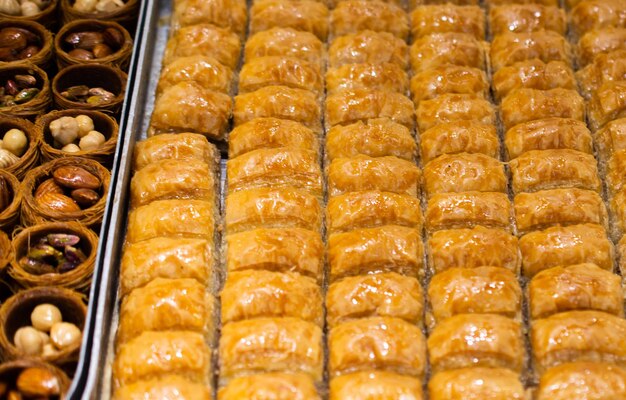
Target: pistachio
x=62, y=239
x=74, y=255
x=58, y=202
x=76, y=92
x=48, y=186
x=85, y=197
x=44, y=252
x=113, y=37
x=96, y=100
x=6, y=195
x=101, y=50
x=11, y=88
x=38, y=382
x=73, y=177
x=66, y=267
x=81, y=54
x=35, y=267
x=7, y=158
x=26, y=95
x=98, y=91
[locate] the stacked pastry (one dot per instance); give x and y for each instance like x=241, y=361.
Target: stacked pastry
x=592, y=360
x=195, y=87
x=166, y=324
x=475, y=339
x=375, y=252
x=271, y=303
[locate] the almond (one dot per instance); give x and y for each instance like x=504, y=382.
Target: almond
x=58, y=202
x=76, y=178
x=48, y=186
x=38, y=382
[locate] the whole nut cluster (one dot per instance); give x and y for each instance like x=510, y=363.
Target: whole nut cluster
x=85, y=94
x=70, y=189
x=18, y=44
x=31, y=383
x=12, y=146
x=72, y=134
x=24, y=8
x=91, y=45
x=19, y=89
x=91, y=6
x=47, y=334
x=53, y=253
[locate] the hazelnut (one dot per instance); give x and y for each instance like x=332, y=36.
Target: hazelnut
x=44, y=316
x=85, y=124
x=92, y=141
x=15, y=141
x=71, y=148
x=64, y=130
x=29, y=9
x=10, y=7
x=65, y=334
x=49, y=350
x=28, y=341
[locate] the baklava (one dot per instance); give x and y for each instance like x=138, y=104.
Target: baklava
x=440, y=49
x=604, y=68
x=607, y=104
x=383, y=76
x=454, y=107
x=180, y=146
x=353, y=16
x=200, y=40
x=272, y=385
x=280, y=71
x=582, y=381
x=443, y=18
x=509, y=48
x=368, y=47
x=600, y=41
x=206, y=71
x=231, y=14
x=375, y=385
x=302, y=15
x=466, y=136
x=431, y=83
x=286, y=42
x=476, y=383
x=518, y=18
x=467, y=210
x=464, y=172
x=533, y=74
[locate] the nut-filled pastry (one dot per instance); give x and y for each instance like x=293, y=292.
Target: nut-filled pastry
x=285, y=42
x=600, y=41
x=473, y=248
x=368, y=47
x=481, y=290
x=604, y=68
x=607, y=103
x=204, y=70
x=464, y=172
x=447, y=48
x=375, y=385
x=509, y=48
x=230, y=14
x=280, y=71
x=547, y=134
x=454, y=107
x=276, y=249
x=270, y=345
x=270, y=386
x=575, y=287
x=464, y=136
x=383, y=76
x=352, y=16
x=277, y=167
x=378, y=137
x=269, y=207
x=388, y=174
x=524, y=105
x=372, y=208
x=526, y=18
x=533, y=74
x=597, y=14
x=164, y=257
x=388, y=248
x=377, y=295
x=166, y=305
x=166, y=386
x=172, y=179
x=270, y=133
x=256, y=294
x=382, y=343
x=557, y=168
x=279, y=102
x=180, y=146
x=443, y=18
x=188, y=107
x=617, y=206
x=468, y=209
x=615, y=175
x=611, y=138
x=566, y=245
x=582, y=381
x=578, y=336
x=155, y=354
x=348, y=106
x=302, y=15
x=431, y=83
x=163, y=217
x=477, y=340
x=476, y=384
x=552, y=3
x=200, y=40
x=552, y=207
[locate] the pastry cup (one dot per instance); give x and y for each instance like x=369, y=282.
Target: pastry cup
x=6, y=253
x=9, y=217
x=43, y=58
x=15, y=313
x=10, y=370
x=33, y=213
x=78, y=279
x=125, y=16
x=120, y=58
x=102, y=123
x=47, y=17
x=30, y=158
x=39, y=104
x=93, y=75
